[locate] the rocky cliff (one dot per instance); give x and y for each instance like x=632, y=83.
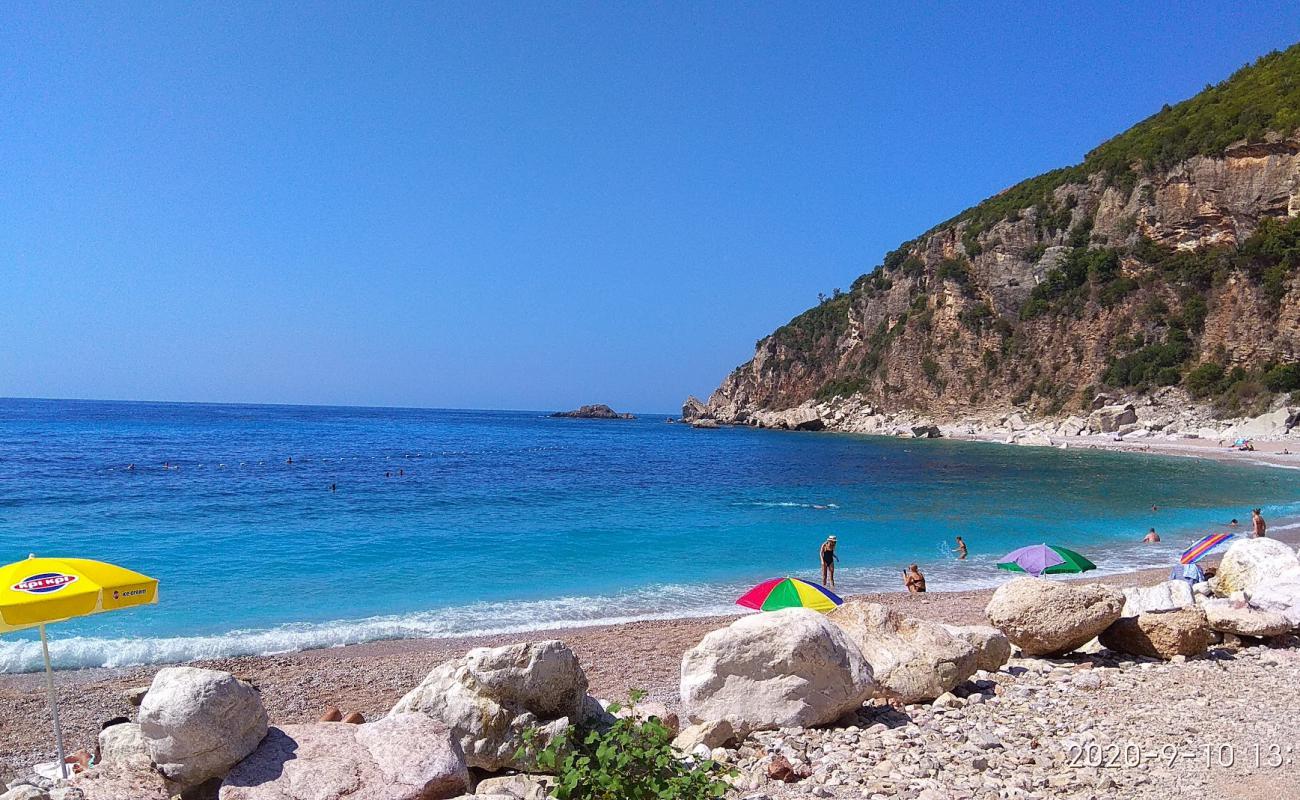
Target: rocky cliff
x=1168, y=258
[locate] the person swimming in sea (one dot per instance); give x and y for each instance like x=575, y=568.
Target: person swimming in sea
x=828, y=558
x=960, y=549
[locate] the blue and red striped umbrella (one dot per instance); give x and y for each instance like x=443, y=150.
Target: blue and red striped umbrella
x=1202, y=548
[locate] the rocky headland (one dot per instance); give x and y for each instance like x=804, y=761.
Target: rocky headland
x=1162, y=273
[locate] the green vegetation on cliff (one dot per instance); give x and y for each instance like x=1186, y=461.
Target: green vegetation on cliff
x=1146, y=304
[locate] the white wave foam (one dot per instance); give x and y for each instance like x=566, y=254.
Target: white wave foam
x=786, y=504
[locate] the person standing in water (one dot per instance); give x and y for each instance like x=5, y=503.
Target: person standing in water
x=961, y=549
x=1151, y=538
x=1257, y=532
x=828, y=562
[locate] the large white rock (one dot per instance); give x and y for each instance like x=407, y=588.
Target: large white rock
x=492, y=695
x=1226, y=616
x=1248, y=562
x=1042, y=617
x=1280, y=594
x=401, y=757
x=789, y=668
x=911, y=660
x=1109, y=419
x=24, y=792
x=122, y=743
x=198, y=723
x=1165, y=596
x=992, y=647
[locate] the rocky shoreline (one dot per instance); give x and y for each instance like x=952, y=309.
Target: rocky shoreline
x=951, y=711
x=1167, y=421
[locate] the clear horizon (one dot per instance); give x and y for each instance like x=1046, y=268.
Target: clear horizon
x=499, y=207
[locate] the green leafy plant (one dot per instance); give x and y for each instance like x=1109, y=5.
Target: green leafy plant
x=632, y=759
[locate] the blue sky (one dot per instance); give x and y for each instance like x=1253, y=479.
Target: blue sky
x=516, y=205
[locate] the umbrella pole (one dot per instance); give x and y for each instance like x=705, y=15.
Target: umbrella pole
x=54, y=703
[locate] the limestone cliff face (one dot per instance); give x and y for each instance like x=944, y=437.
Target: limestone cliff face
x=952, y=322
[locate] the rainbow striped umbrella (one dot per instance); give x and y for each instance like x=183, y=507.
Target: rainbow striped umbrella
x=1202, y=548
x=780, y=593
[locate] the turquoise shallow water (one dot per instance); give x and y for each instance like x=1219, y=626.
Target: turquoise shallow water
x=454, y=522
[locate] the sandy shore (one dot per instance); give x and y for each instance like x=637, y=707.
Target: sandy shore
x=371, y=677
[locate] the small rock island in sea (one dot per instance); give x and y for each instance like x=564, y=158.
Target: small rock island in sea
x=597, y=411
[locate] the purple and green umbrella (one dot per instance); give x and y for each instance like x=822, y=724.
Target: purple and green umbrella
x=1040, y=559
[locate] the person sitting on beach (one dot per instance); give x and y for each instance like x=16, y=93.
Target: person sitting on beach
x=913, y=579
x=1151, y=538
x=828, y=558
x=961, y=549
x=1259, y=525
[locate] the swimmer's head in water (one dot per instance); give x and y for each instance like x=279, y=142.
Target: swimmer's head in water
x=1254, y=511
x=1234, y=522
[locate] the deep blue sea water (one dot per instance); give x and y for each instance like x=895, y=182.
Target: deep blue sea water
x=455, y=522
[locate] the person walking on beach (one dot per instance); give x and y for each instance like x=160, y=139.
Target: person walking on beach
x=828, y=562
x=1151, y=538
x=913, y=579
x=961, y=549
x=1259, y=525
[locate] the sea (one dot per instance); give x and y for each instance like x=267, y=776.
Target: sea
x=279, y=528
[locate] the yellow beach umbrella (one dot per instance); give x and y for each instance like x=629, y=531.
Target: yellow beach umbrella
x=39, y=591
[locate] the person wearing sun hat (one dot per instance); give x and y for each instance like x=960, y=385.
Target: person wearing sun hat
x=828, y=561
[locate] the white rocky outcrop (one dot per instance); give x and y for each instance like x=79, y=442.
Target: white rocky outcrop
x=401, y=757
x=490, y=696
x=789, y=668
x=1046, y=618
x=911, y=660
x=198, y=723
x=1247, y=562
x=1162, y=597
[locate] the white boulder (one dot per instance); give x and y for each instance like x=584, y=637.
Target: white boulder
x=1165, y=596
x=911, y=660
x=789, y=668
x=1042, y=617
x=122, y=743
x=1248, y=562
x=1280, y=594
x=1240, y=619
x=198, y=723
x=401, y=757
x=489, y=697
x=992, y=647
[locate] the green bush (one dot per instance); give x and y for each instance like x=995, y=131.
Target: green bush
x=1283, y=378
x=632, y=760
x=1204, y=380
